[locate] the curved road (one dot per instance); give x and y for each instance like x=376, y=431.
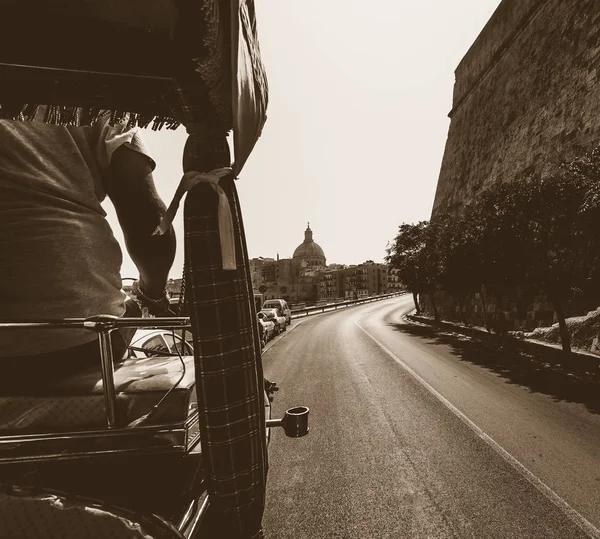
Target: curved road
x=415, y=435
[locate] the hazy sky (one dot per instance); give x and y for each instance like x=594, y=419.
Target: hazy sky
x=357, y=123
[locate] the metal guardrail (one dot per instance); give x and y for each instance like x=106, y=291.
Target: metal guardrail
x=306, y=311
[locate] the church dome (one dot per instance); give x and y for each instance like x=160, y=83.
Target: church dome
x=309, y=251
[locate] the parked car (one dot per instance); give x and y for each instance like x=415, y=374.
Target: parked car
x=146, y=341
x=283, y=307
x=266, y=327
x=261, y=332
x=277, y=318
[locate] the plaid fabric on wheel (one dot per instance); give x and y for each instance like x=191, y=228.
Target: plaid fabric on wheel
x=228, y=367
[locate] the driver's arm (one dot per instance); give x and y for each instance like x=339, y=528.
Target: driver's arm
x=130, y=186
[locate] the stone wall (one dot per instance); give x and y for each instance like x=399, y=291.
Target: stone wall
x=526, y=97
x=521, y=313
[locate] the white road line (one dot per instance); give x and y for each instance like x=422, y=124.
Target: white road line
x=571, y=513
x=273, y=342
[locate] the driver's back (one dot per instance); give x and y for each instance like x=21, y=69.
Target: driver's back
x=58, y=255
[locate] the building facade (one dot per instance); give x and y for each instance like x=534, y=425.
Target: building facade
x=331, y=284
x=365, y=280
x=394, y=283
x=305, y=278
x=308, y=253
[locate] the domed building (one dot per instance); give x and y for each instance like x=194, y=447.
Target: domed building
x=309, y=253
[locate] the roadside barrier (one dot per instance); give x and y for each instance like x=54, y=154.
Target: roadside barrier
x=306, y=311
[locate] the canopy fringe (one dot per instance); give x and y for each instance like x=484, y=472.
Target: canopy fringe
x=80, y=116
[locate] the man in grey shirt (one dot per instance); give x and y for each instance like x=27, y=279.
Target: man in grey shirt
x=58, y=255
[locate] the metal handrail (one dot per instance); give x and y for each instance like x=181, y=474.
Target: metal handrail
x=103, y=325
x=114, y=322
x=296, y=313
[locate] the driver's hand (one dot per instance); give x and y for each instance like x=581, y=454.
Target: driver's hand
x=151, y=306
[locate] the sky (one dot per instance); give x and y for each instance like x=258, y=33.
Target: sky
x=357, y=123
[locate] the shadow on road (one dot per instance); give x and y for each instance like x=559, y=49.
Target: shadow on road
x=566, y=381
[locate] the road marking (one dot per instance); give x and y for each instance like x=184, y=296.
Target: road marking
x=302, y=319
x=571, y=513
x=273, y=342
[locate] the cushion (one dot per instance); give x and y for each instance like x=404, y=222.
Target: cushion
x=77, y=402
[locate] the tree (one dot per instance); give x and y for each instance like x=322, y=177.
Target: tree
x=531, y=237
x=458, y=258
x=410, y=254
x=585, y=171
x=557, y=258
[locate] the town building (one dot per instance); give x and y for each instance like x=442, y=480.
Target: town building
x=331, y=284
x=306, y=278
x=365, y=280
x=394, y=283
x=309, y=253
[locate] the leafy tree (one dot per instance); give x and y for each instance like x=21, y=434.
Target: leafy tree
x=411, y=254
x=585, y=171
x=530, y=237
x=458, y=257
x=500, y=227
x=533, y=235
x=477, y=251
x=557, y=259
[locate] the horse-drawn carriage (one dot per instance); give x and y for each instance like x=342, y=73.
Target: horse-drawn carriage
x=169, y=445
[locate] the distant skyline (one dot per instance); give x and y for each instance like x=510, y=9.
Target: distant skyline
x=357, y=124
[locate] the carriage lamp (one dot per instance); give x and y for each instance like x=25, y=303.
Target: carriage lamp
x=294, y=422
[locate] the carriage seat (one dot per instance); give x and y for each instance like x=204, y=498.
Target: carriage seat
x=32, y=512
x=77, y=402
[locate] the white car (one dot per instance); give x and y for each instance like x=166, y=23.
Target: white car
x=277, y=318
x=268, y=327
x=283, y=307
x=146, y=341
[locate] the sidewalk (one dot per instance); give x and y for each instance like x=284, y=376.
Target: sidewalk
x=582, y=361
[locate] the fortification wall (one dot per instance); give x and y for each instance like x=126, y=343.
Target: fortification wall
x=526, y=97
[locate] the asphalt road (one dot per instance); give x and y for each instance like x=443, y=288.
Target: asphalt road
x=417, y=434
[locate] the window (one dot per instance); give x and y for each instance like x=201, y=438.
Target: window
x=155, y=344
x=178, y=345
